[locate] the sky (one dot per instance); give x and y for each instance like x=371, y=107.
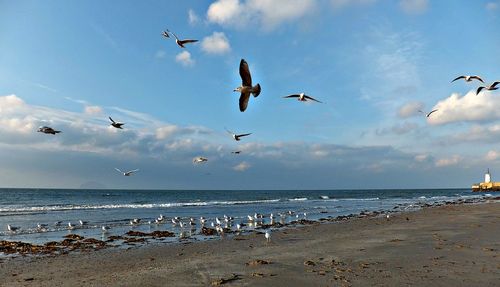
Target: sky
x=374, y=64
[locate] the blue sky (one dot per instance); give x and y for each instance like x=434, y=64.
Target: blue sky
x=374, y=63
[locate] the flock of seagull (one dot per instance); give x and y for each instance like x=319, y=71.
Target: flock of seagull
x=246, y=90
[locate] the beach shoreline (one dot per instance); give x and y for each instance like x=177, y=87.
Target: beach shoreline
x=447, y=245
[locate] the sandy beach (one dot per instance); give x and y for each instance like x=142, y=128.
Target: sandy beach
x=453, y=245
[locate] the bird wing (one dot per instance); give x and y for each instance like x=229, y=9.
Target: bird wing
x=457, y=78
x=292, y=96
x=244, y=97
x=131, y=171
x=431, y=112
x=165, y=34
x=244, y=135
x=174, y=35
x=246, y=78
x=187, y=41
x=111, y=120
x=477, y=78
x=118, y=170
x=479, y=90
x=311, y=98
x=494, y=84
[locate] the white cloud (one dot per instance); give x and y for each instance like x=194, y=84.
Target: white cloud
x=160, y=54
x=491, y=6
x=217, y=43
x=93, y=110
x=492, y=155
x=414, y=6
x=269, y=13
x=242, y=166
x=449, y=161
x=422, y=157
x=10, y=103
x=471, y=107
x=193, y=17
x=185, y=59
x=410, y=109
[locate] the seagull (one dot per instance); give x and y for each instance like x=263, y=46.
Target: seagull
x=238, y=227
x=128, y=173
x=82, y=223
x=302, y=97
x=428, y=114
x=199, y=159
x=71, y=226
x=182, y=42
x=12, y=228
x=236, y=152
x=165, y=34
x=491, y=87
x=42, y=226
x=246, y=87
x=387, y=216
x=58, y=223
x=105, y=228
x=237, y=137
x=116, y=124
x=47, y=130
x=268, y=236
x=468, y=78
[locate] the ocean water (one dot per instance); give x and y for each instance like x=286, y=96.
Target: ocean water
x=25, y=208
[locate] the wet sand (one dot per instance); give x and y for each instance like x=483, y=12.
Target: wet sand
x=452, y=245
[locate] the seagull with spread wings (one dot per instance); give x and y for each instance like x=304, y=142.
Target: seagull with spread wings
x=246, y=87
x=48, y=130
x=199, y=159
x=468, y=78
x=302, y=97
x=127, y=173
x=181, y=42
x=429, y=113
x=237, y=137
x=491, y=87
x=116, y=124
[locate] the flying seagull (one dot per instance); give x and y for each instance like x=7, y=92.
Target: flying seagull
x=199, y=159
x=181, y=42
x=246, y=87
x=128, y=173
x=47, y=130
x=116, y=124
x=165, y=34
x=469, y=78
x=428, y=114
x=491, y=87
x=237, y=137
x=302, y=97
x=236, y=152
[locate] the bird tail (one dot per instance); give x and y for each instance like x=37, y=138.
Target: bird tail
x=256, y=90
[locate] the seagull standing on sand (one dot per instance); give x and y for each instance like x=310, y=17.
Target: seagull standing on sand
x=468, y=78
x=268, y=236
x=491, y=87
x=246, y=87
x=116, y=124
x=237, y=137
x=47, y=130
x=12, y=228
x=428, y=114
x=127, y=173
x=302, y=97
x=181, y=42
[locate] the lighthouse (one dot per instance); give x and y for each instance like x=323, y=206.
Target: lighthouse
x=487, y=176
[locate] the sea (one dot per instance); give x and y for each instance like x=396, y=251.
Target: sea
x=55, y=208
